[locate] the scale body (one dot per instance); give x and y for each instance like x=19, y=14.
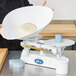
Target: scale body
x=46, y=59
x=41, y=16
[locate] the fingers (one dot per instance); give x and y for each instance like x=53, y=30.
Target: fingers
x=52, y=9
x=44, y=3
x=0, y=26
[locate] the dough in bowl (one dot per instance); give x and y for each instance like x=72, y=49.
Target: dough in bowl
x=27, y=28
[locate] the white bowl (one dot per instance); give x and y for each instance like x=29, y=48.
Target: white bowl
x=38, y=15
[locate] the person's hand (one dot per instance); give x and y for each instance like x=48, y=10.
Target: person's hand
x=44, y=3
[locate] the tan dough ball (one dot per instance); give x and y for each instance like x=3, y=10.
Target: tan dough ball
x=27, y=28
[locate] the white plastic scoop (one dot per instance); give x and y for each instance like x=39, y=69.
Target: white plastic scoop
x=38, y=15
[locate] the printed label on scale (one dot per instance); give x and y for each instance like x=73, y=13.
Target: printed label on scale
x=38, y=61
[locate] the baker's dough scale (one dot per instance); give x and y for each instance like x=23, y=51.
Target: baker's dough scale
x=41, y=17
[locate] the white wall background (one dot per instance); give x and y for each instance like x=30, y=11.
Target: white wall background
x=64, y=9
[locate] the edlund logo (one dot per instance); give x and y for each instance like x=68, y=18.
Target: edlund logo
x=38, y=61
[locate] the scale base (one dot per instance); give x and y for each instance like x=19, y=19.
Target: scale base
x=46, y=60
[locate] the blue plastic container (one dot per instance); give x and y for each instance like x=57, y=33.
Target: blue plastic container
x=58, y=38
